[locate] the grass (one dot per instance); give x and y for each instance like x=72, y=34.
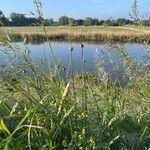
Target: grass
x=85, y=111
x=44, y=110
x=82, y=33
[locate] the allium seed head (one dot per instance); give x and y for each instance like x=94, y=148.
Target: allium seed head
x=84, y=60
x=64, y=68
x=81, y=45
x=71, y=49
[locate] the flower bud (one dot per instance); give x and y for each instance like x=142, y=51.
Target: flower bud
x=81, y=45
x=71, y=49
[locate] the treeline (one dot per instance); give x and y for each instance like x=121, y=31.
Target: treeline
x=17, y=19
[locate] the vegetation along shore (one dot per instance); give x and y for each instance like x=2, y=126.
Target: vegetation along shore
x=47, y=106
x=81, y=33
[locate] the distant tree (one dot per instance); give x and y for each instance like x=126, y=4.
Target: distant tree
x=3, y=20
x=88, y=21
x=56, y=23
x=32, y=21
x=122, y=21
x=146, y=22
x=49, y=22
x=64, y=20
x=101, y=22
x=18, y=19
x=80, y=22
x=95, y=21
x=109, y=22
x=1, y=13
x=72, y=22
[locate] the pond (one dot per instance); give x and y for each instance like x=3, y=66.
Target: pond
x=108, y=56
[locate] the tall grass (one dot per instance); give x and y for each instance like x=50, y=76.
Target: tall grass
x=93, y=33
x=41, y=110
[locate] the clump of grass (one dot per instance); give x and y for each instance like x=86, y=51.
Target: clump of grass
x=41, y=110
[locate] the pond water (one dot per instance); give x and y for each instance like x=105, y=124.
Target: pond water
x=107, y=55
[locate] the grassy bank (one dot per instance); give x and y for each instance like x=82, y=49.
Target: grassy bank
x=41, y=113
x=82, y=33
x=85, y=112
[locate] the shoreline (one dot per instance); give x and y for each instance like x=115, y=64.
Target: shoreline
x=80, y=34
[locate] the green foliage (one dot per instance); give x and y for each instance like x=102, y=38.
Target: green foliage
x=20, y=20
x=17, y=19
x=43, y=111
x=145, y=22
x=63, y=20
x=49, y=22
x=72, y=22
x=3, y=20
x=122, y=22
x=88, y=21
x=86, y=111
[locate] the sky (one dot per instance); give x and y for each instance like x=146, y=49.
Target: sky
x=101, y=9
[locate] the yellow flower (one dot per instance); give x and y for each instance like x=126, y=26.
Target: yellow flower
x=64, y=143
x=80, y=148
x=80, y=137
x=92, y=141
x=83, y=131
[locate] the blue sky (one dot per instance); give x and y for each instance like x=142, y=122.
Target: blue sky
x=101, y=9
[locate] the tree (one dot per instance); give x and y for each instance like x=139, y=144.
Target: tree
x=1, y=13
x=49, y=22
x=95, y=21
x=146, y=22
x=3, y=20
x=18, y=19
x=88, y=21
x=72, y=22
x=101, y=22
x=64, y=20
x=80, y=22
x=109, y=22
x=32, y=22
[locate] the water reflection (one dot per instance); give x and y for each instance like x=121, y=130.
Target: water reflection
x=97, y=56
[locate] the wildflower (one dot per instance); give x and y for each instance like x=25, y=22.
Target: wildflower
x=92, y=141
x=80, y=148
x=64, y=143
x=64, y=69
x=80, y=137
x=71, y=49
x=83, y=131
x=84, y=60
x=84, y=114
x=81, y=45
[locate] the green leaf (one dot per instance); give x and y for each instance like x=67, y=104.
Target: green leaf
x=23, y=119
x=4, y=127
